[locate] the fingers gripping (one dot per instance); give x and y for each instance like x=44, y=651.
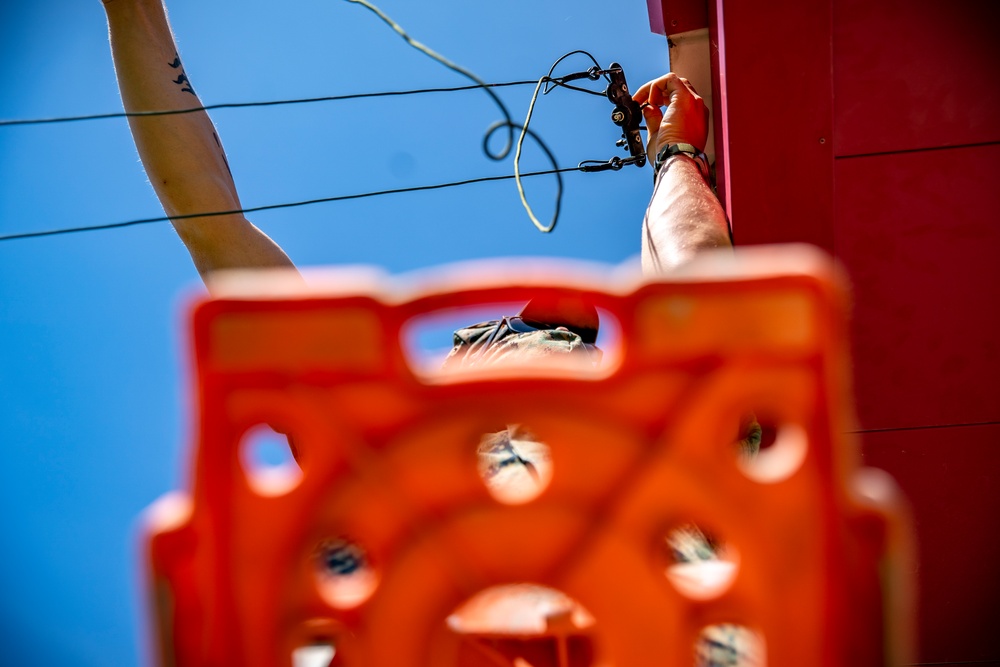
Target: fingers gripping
x=685, y=119
x=653, y=117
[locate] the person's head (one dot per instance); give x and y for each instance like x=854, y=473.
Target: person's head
x=575, y=314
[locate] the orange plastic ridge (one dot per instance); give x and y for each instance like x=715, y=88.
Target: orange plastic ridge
x=640, y=447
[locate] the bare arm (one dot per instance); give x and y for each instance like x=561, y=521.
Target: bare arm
x=684, y=217
x=182, y=154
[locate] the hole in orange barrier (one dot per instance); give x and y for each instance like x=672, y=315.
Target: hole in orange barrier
x=268, y=461
x=731, y=645
x=344, y=574
x=782, y=449
x=699, y=566
x=315, y=654
x=427, y=340
x=514, y=464
x=523, y=625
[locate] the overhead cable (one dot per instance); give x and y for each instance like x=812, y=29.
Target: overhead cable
x=267, y=103
x=507, y=122
x=271, y=207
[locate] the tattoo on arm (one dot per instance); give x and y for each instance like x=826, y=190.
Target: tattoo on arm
x=184, y=83
x=218, y=143
x=181, y=80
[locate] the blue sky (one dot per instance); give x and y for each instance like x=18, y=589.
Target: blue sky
x=92, y=390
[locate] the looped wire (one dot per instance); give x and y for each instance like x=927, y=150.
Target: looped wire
x=505, y=151
x=507, y=123
x=551, y=83
x=517, y=174
x=594, y=73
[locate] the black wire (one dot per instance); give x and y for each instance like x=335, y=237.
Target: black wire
x=507, y=123
x=551, y=83
x=458, y=69
x=239, y=105
x=271, y=103
x=592, y=73
x=558, y=83
x=269, y=207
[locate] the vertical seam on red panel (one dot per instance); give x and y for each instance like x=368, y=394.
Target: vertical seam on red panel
x=717, y=49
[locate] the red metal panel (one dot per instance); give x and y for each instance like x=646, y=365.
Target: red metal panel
x=777, y=93
x=670, y=17
x=917, y=231
x=655, y=8
x=915, y=74
x=948, y=475
x=720, y=103
x=919, y=234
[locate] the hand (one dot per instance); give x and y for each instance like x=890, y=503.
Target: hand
x=685, y=120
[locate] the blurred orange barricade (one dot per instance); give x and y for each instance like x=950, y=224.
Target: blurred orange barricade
x=386, y=547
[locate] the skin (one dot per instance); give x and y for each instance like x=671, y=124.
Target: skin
x=187, y=166
x=684, y=217
x=182, y=154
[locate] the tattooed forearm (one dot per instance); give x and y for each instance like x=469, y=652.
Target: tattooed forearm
x=181, y=80
x=218, y=143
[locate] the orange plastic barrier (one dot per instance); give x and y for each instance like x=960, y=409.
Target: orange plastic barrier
x=816, y=547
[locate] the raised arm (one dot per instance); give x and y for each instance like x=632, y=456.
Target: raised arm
x=684, y=217
x=182, y=154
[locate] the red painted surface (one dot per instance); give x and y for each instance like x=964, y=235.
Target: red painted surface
x=912, y=85
x=919, y=235
x=720, y=113
x=655, y=16
x=949, y=476
x=915, y=74
x=677, y=16
x=779, y=117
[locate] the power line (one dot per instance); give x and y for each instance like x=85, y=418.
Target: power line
x=271, y=207
x=507, y=123
x=454, y=67
x=268, y=103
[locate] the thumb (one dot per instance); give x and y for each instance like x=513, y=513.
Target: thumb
x=653, y=116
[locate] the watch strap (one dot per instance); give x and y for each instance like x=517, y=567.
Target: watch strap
x=689, y=150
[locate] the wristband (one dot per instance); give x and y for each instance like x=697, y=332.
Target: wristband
x=690, y=150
